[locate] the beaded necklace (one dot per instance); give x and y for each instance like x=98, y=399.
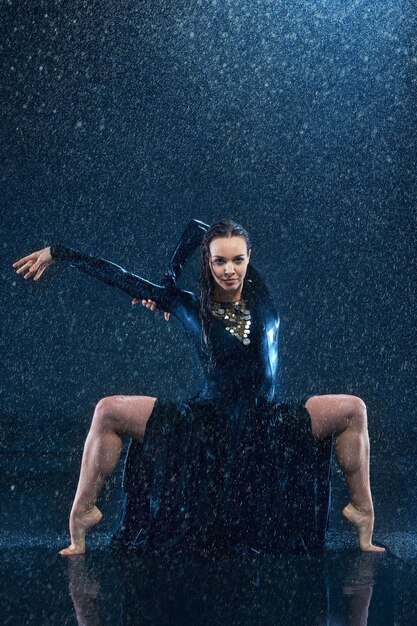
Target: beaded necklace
x=235, y=316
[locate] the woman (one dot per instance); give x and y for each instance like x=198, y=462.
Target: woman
x=228, y=464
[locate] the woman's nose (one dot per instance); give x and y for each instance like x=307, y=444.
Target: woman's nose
x=229, y=268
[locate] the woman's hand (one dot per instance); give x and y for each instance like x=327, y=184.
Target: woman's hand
x=36, y=263
x=151, y=304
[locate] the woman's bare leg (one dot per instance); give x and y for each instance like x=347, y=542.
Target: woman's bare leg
x=114, y=417
x=345, y=416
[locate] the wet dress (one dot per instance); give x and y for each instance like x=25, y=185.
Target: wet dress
x=230, y=468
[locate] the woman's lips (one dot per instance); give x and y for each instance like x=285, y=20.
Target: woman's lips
x=230, y=280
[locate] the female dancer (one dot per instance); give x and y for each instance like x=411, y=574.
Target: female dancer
x=213, y=465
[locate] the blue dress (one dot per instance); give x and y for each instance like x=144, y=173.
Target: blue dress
x=230, y=468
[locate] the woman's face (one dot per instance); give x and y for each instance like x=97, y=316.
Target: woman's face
x=229, y=258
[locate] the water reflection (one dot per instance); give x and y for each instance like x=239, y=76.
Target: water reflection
x=84, y=589
x=358, y=587
x=335, y=589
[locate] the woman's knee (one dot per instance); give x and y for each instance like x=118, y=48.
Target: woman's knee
x=335, y=413
x=124, y=415
x=357, y=412
x=105, y=412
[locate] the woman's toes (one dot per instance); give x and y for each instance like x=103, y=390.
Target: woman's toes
x=72, y=550
x=373, y=548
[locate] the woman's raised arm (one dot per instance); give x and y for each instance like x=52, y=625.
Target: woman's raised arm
x=190, y=239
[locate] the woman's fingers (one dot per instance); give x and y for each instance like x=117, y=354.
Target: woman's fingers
x=25, y=259
x=37, y=269
x=40, y=272
x=149, y=304
x=34, y=263
x=34, y=268
x=152, y=306
x=24, y=267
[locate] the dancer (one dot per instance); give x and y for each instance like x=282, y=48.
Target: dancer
x=238, y=432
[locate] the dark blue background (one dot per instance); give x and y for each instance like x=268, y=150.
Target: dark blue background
x=123, y=120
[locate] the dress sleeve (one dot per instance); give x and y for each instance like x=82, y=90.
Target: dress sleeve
x=190, y=239
x=168, y=297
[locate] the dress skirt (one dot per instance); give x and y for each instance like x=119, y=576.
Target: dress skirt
x=222, y=478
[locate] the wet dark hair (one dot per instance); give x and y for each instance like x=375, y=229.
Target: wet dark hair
x=223, y=228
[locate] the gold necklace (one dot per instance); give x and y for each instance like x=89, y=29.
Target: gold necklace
x=235, y=316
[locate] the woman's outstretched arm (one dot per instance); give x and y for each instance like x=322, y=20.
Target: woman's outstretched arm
x=106, y=271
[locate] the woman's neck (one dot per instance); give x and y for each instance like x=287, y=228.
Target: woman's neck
x=223, y=296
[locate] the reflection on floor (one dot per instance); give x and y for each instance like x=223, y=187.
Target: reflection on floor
x=338, y=588
x=342, y=587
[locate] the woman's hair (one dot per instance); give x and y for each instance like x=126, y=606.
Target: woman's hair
x=223, y=228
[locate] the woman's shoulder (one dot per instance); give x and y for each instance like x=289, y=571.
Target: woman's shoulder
x=256, y=289
x=254, y=281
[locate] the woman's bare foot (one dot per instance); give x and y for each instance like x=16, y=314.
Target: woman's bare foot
x=79, y=524
x=364, y=524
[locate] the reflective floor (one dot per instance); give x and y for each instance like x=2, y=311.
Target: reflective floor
x=341, y=587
